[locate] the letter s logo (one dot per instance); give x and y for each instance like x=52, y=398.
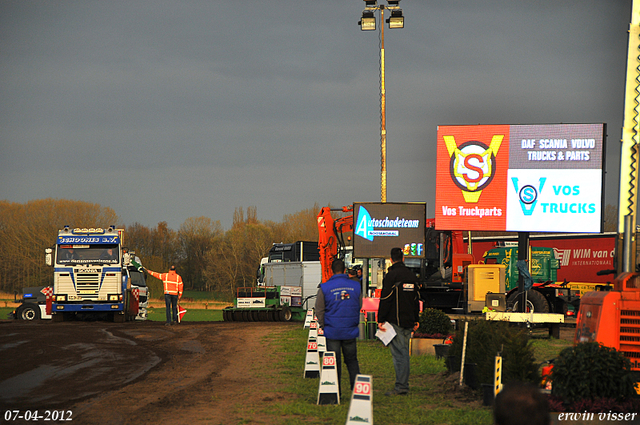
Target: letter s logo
x=479, y=172
x=528, y=194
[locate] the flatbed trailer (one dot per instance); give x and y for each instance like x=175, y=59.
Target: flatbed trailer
x=553, y=321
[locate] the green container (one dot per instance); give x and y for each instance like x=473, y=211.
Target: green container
x=544, y=265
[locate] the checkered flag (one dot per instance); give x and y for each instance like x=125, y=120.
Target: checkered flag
x=47, y=291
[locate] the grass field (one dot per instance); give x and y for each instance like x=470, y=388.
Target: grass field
x=428, y=402
x=4, y=311
x=192, y=315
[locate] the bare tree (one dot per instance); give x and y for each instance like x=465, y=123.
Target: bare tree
x=27, y=229
x=196, y=236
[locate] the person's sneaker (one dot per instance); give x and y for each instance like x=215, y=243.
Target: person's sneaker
x=396, y=392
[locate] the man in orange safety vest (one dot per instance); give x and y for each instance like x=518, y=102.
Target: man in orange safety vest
x=172, y=292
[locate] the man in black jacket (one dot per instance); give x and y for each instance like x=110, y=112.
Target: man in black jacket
x=399, y=306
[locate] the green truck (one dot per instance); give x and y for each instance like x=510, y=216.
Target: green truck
x=547, y=295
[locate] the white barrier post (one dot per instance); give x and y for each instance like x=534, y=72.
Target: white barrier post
x=322, y=341
x=312, y=361
x=328, y=390
x=361, y=408
x=313, y=329
x=308, y=319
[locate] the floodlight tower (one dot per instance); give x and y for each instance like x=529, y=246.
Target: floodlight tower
x=368, y=23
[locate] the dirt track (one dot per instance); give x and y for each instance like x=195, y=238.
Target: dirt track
x=135, y=373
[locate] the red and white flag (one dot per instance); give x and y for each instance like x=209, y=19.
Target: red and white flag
x=181, y=313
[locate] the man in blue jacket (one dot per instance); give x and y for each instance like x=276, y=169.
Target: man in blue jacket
x=338, y=311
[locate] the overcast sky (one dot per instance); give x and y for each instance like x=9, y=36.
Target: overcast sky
x=165, y=110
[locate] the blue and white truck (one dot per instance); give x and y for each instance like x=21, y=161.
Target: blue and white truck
x=93, y=276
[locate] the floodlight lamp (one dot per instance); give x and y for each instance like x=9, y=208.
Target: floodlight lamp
x=368, y=21
x=370, y=3
x=396, y=20
x=393, y=3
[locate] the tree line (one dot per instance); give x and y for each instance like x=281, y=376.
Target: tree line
x=207, y=257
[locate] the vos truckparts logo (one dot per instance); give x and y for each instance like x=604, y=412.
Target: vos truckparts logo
x=472, y=165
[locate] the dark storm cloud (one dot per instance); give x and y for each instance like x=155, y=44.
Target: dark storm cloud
x=276, y=104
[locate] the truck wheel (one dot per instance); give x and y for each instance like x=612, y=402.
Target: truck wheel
x=28, y=312
x=536, y=302
x=285, y=314
x=118, y=318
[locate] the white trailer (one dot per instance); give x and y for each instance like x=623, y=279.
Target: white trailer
x=304, y=274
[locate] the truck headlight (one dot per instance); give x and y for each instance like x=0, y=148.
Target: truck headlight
x=113, y=297
x=60, y=298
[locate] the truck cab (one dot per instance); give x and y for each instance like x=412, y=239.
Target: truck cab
x=90, y=277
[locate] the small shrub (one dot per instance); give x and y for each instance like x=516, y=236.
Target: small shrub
x=592, y=371
x=485, y=339
x=433, y=323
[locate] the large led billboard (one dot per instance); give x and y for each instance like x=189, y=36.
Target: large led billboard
x=521, y=178
x=378, y=227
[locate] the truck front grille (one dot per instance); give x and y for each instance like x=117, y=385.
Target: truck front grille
x=87, y=285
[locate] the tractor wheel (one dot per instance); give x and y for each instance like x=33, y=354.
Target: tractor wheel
x=225, y=315
x=263, y=316
x=28, y=312
x=272, y=316
x=536, y=302
x=255, y=316
x=237, y=316
x=285, y=314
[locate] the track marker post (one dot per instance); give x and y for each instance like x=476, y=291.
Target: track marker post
x=361, y=407
x=322, y=341
x=312, y=361
x=328, y=389
x=497, y=376
x=308, y=319
x=313, y=329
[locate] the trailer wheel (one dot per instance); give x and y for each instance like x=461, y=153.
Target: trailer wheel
x=272, y=316
x=28, y=312
x=536, y=302
x=255, y=316
x=237, y=316
x=225, y=316
x=285, y=314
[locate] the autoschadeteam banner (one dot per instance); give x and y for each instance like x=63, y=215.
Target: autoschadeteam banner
x=531, y=178
x=379, y=227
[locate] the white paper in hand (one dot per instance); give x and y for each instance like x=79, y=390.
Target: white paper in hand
x=387, y=335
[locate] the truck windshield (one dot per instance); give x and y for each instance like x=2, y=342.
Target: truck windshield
x=137, y=278
x=88, y=254
x=414, y=265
